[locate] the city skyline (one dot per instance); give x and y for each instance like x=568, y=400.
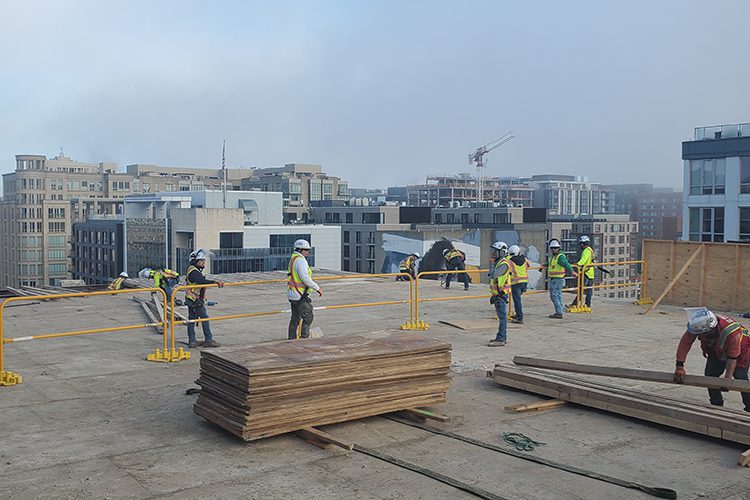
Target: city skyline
x=373, y=92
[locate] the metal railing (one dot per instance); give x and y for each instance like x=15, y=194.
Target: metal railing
x=580, y=306
x=8, y=378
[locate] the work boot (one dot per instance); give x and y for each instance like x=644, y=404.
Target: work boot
x=211, y=343
x=555, y=316
x=466, y=288
x=517, y=321
x=195, y=343
x=496, y=343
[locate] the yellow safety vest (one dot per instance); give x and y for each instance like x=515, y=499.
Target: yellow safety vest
x=519, y=274
x=587, y=257
x=116, y=284
x=190, y=293
x=555, y=270
x=295, y=282
x=407, y=262
x=453, y=253
x=501, y=282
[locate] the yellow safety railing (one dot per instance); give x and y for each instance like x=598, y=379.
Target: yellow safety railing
x=410, y=301
x=581, y=307
x=8, y=378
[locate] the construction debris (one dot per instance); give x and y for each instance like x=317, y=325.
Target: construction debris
x=711, y=421
x=280, y=387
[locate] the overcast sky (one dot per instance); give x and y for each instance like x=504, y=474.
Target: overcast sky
x=380, y=93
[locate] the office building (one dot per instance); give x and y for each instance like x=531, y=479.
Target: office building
x=462, y=189
x=716, y=180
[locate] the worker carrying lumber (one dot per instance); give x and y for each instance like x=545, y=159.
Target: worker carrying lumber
x=519, y=280
x=557, y=265
x=725, y=344
x=455, y=260
x=299, y=283
x=195, y=299
x=500, y=278
x=586, y=258
x=408, y=266
x=117, y=283
x=166, y=279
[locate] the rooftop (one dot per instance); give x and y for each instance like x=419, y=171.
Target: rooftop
x=93, y=419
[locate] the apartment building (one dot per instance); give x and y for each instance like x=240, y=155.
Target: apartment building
x=300, y=185
x=716, y=180
x=571, y=195
x=41, y=200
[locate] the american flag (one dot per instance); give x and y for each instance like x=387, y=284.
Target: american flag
x=223, y=151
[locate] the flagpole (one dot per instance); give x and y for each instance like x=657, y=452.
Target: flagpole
x=224, y=171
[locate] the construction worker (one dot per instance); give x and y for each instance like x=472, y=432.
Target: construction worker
x=408, y=266
x=519, y=280
x=454, y=260
x=500, y=277
x=166, y=279
x=298, y=287
x=195, y=299
x=587, y=257
x=557, y=265
x=117, y=283
x=725, y=344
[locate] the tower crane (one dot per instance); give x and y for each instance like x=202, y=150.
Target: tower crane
x=478, y=158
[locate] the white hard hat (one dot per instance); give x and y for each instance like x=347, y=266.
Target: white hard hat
x=144, y=273
x=501, y=247
x=416, y=254
x=583, y=239
x=124, y=275
x=514, y=250
x=446, y=251
x=700, y=320
x=198, y=255
x=302, y=245
x=553, y=243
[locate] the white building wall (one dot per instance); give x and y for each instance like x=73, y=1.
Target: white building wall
x=326, y=240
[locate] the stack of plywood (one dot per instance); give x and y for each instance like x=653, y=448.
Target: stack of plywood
x=279, y=387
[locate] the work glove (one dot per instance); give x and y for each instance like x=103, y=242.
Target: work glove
x=679, y=373
x=493, y=300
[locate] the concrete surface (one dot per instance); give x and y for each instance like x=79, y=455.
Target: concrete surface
x=93, y=419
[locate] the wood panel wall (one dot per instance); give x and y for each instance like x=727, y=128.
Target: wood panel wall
x=718, y=279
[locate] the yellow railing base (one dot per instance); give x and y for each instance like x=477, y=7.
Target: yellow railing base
x=415, y=325
x=578, y=309
x=422, y=325
x=408, y=325
x=172, y=356
x=8, y=378
x=645, y=301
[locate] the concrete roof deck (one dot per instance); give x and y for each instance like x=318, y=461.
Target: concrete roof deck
x=93, y=419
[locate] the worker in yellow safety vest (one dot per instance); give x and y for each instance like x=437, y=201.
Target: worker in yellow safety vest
x=455, y=260
x=519, y=280
x=556, y=266
x=408, y=266
x=299, y=283
x=195, y=299
x=587, y=257
x=500, y=286
x=117, y=283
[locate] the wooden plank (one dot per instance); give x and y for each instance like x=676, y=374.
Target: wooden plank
x=736, y=280
x=693, y=418
x=539, y=405
x=675, y=279
x=635, y=374
x=324, y=437
x=672, y=262
x=158, y=304
x=426, y=414
x=744, y=460
x=151, y=317
x=702, y=283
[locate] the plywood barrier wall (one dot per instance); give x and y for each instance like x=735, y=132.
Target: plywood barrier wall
x=719, y=278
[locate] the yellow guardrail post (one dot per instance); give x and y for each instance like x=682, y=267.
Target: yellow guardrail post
x=7, y=377
x=644, y=299
x=579, y=306
x=168, y=354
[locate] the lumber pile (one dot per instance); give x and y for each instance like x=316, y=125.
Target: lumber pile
x=278, y=387
x=719, y=422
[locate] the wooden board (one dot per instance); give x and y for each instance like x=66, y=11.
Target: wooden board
x=632, y=373
x=538, y=406
x=279, y=387
x=649, y=407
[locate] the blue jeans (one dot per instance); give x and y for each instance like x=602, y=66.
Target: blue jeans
x=197, y=310
x=456, y=264
x=555, y=293
x=587, y=291
x=517, y=290
x=501, y=308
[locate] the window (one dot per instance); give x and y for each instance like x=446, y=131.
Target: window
x=744, y=224
x=56, y=227
x=500, y=218
x=358, y=252
x=358, y=266
x=358, y=237
x=346, y=251
x=56, y=254
x=349, y=217
x=285, y=240
x=451, y=218
x=707, y=176
x=438, y=218
x=371, y=218
x=745, y=174
x=57, y=268
x=464, y=218
x=346, y=266
x=346, y=236
x=231, y=240
x=707, y=224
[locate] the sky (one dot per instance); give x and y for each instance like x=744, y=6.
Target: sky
x=380, y=93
